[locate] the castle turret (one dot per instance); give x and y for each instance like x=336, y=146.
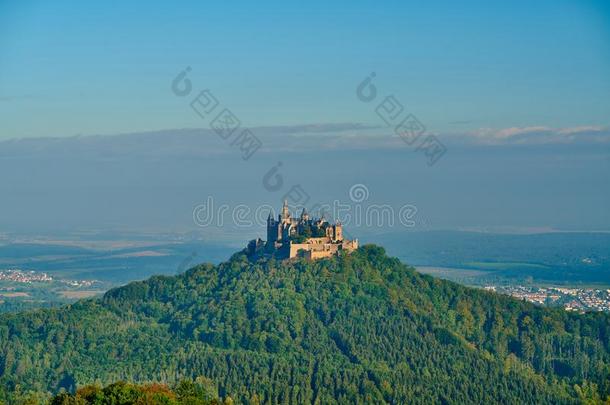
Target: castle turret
x=285, y=212
x=338, y=231
x=303, y=236
x=272, y=229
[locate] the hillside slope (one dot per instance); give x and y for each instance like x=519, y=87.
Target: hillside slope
x=361, y=328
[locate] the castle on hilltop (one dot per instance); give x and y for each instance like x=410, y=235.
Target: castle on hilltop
x=311, y=238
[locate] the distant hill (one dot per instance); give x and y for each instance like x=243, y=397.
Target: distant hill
x=360, y=328
x=568, y=258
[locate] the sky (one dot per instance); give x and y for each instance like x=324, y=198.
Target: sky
x=73, y=67
x=94, y=135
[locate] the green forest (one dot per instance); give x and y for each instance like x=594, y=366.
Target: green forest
x=356, y=329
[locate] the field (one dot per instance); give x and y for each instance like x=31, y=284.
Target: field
x=505, y=266
x=80, y=294
x=14, y=294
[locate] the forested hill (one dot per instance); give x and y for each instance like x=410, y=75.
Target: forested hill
x=361, y=328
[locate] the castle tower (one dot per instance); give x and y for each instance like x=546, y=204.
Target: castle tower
x=287, y=231
x=272, y=233
x=338, y=231
x=285, y=212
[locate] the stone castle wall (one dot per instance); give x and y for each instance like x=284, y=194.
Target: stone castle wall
x=281, y=232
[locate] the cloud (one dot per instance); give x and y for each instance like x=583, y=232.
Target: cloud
x=540, y=135
x=579, y=130
x=195, y=142
x=315, y=128
x=198, y=143
x=504, y=133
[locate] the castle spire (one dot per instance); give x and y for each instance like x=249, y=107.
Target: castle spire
x=285, y=211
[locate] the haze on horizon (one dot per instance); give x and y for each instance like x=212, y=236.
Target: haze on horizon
x=519, y=94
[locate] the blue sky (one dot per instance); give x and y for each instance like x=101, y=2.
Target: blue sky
x=71, y=68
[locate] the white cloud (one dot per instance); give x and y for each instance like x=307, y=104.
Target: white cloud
x=583, y=129
x=540, y=135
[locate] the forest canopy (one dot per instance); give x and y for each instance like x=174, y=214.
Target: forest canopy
x=359, y=328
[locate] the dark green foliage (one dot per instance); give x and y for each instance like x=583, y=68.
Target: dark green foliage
x=360, y=328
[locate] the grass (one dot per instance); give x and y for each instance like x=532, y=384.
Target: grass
x=14, y=294
x=79, y=294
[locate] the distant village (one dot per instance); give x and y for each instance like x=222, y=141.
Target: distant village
x=31, y=276
x=20, y=276
x=571, y=299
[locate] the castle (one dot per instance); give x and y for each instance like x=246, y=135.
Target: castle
x=311, y=238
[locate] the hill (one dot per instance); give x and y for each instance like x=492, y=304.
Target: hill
x=360, y=328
